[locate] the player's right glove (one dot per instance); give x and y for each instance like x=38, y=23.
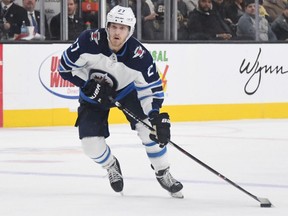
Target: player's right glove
x=161, y=124
x=100, y=92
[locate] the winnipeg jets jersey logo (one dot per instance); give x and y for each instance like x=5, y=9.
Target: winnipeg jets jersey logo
x=103, y=77
x=95, y=36
x=139, y=52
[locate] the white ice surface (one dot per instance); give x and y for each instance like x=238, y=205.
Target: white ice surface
x=43, y=172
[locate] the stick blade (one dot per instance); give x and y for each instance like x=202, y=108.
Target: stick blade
x=264, y=202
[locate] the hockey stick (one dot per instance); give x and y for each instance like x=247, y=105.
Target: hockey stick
x=264, y=202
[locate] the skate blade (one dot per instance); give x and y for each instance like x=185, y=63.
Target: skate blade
x=177, y=195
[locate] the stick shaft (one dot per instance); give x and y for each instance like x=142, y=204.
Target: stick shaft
x=187, y=153
x=212, y=170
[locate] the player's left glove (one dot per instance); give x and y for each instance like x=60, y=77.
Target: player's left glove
x=161, y=124
x=101, y=92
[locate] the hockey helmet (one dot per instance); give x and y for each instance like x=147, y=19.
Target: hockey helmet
x=122, y=15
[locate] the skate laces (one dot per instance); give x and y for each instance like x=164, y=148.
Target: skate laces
x=114, y=174
x=166, y=179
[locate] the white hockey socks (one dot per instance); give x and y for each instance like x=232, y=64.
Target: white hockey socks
x=157, y=156
x=97, y=149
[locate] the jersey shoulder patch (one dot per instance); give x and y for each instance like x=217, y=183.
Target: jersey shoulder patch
x=138, y=50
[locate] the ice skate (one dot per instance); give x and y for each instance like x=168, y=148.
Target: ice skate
x=170, y=184
x=115, y=176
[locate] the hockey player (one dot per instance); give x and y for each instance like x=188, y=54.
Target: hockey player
x=110, y=65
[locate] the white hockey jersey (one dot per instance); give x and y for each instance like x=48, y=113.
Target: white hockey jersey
x=130, y=68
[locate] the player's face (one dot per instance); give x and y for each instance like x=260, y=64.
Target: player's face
x=117, y=35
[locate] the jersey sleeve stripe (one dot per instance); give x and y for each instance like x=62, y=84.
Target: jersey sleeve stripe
x=68, y=62
x=155, y=84
x=158, y=96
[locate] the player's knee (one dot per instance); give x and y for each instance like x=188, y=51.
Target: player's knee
x=143, y=132
x=93, y=147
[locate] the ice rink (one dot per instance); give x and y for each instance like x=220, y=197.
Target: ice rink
x=43, y=172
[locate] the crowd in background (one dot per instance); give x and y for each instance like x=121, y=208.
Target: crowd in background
x=196, y=20
x=219, y=20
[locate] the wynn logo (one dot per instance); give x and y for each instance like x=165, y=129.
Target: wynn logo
x=257, y=72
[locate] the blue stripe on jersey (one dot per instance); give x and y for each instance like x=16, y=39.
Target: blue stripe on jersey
x=157, y=154
x=68, y=62
x=61, y=68
x=119, y=96
x=125, y=91
x=158, y=95
x=158, y=83
x=86, y=98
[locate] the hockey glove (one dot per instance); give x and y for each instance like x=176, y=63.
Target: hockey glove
x=161, y=124
x=100, y=92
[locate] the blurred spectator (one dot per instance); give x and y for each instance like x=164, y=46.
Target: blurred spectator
x=112, y=3
x=219, y=6
x=90, y=10
x=206, y=24
x=91, y=17
x=274, y=7
x=234, y=9
x=191, y=5
x=182, y=18
x=280, y=25
x=148, y=18
x=12, y=17
x=34, y=17
x=133, y=5
x=159, y=22
x=75, y=23
x=246, y=29
x=263, y=12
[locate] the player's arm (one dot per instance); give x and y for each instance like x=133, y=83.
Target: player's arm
x=149, y=88
x=151, y=96
x=71, y=65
